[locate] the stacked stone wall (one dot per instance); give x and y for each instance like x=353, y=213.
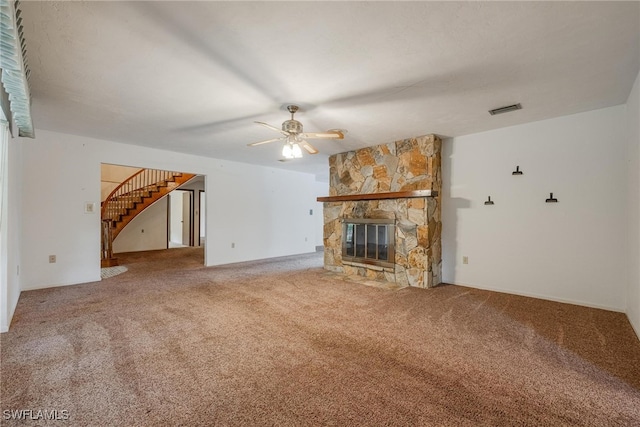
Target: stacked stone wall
x=411, y=164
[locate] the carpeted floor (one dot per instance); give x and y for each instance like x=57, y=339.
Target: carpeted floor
x=282, y=342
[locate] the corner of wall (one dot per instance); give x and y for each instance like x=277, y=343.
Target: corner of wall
x=521, y=244
x=11, y=228
x=4, y=300
x=633, y=210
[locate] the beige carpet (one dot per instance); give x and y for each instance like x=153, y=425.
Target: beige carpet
x=284, y=343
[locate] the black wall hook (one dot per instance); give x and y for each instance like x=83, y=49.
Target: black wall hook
x=489, y=201
x=517, y=171
x=551, y=199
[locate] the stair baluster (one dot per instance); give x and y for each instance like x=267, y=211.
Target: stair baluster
x=130, y=198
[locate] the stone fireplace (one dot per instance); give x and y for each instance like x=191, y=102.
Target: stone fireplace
x=384, y=203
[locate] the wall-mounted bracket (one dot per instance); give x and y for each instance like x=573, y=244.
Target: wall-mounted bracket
x=489, y=201
x=517, y=171
x=551, y=199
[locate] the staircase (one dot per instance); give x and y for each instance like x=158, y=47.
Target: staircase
x=129, y=199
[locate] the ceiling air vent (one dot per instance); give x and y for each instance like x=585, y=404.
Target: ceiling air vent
x=506, y=109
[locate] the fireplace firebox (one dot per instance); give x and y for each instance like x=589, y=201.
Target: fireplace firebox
x=369, y=241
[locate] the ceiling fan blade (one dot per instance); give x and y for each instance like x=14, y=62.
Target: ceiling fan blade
x=268, y=126
x=310, y=148
x=323, y=135
x=264, y=142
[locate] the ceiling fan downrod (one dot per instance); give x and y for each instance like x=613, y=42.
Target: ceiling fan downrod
x=292, y=109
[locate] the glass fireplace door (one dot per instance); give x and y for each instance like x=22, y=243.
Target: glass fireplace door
x=369, y=241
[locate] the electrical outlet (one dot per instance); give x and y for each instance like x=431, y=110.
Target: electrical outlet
x=52, y=259
x=233, y=245
x=465, y=260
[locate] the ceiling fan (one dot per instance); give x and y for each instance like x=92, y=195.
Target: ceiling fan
x=294, y=137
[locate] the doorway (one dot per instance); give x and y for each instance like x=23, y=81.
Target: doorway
x=180, y=233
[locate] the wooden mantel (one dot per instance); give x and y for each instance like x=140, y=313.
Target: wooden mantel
x=380, y=196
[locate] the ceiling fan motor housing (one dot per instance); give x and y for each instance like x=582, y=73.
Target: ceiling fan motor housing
x=292, y=126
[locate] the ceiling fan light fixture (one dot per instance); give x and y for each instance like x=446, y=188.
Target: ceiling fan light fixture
x=297, y=152
x=291, y=150
x=295, y=139
x=287, y=151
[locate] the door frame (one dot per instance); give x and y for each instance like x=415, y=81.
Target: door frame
x=191, y=216
x=200, y=220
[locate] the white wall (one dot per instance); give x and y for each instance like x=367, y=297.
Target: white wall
x=146, y=232
x=10, y=254
x=572, y=251
x=322, y=190
x=264, y=211
x=633, y=127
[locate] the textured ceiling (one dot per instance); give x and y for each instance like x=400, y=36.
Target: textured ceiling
x=193, y=76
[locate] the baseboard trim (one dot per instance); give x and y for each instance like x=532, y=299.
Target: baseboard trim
x=12, y=310
x=268, y=259
x=36, y=287
x=540, y=296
